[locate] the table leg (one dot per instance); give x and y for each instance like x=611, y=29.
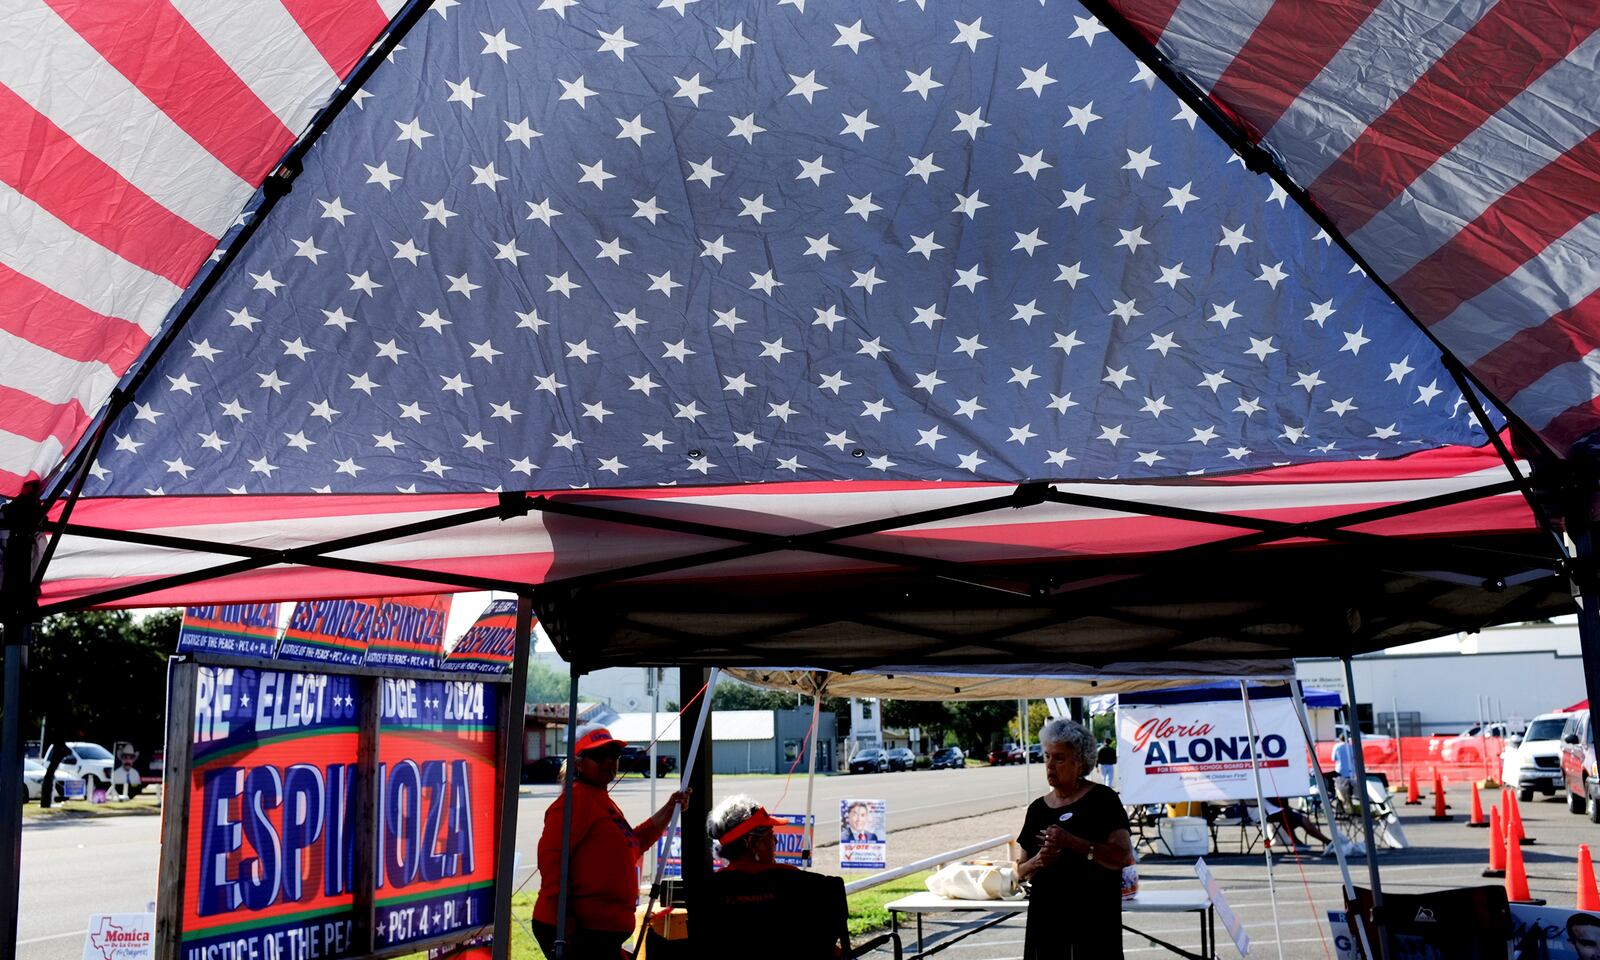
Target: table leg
x=919, y=933
x=894, y=934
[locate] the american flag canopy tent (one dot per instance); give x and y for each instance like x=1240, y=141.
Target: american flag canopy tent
x=565, y=292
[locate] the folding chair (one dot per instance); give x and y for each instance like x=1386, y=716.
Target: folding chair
x=749, y=914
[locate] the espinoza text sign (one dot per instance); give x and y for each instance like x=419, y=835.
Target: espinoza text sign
x=272, y=832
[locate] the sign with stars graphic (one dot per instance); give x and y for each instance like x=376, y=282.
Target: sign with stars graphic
x=271, y=839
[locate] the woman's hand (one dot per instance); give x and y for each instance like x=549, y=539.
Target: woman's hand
x=1059, y=841
x=663, y=816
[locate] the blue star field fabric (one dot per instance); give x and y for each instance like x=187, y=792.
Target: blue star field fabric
x=622, y=244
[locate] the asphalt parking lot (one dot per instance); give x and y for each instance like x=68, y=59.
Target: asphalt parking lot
x=1441, y=855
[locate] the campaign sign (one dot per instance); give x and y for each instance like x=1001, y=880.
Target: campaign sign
x=1552, y=933
x=329, y=631
x=120, y=936
x=236, y=629
x=863, y=834
x=271, y=843
x=1203, y=750
x=271, y=830
x=409, y=632
x=439, y=771
x=792, y=840
x=670, y=856
x=488, y=644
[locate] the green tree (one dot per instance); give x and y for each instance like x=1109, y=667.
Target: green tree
x=737, y=695
x=546, y=684
x=980, y=725
x=1038, y=715
x=933, y=716
x=101, y=676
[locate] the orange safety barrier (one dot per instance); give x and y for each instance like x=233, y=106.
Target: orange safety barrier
x=1457, y=759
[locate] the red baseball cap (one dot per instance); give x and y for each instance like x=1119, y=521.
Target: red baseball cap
x=597, y=739
x=759, y=817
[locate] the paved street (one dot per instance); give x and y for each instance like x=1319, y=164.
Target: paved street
x=73, y=867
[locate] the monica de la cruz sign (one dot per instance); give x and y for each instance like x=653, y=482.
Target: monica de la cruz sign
x=1171, y=752
x=271, y=832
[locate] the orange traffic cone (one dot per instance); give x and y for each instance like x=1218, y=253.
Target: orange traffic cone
x=1588, y=896
x=1516, y=876
x=1413, y=794
x=1497, y=846
x=1439, y=806
x=1477, y=809
x=1516, y=811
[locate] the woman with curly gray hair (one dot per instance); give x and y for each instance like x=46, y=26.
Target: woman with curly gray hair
x=743, y=830
x=1076, y=841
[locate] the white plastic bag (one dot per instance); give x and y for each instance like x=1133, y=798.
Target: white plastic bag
x=976, y=880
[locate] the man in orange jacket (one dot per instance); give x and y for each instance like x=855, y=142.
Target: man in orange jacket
x=603, y=874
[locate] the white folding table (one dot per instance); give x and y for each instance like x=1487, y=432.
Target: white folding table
x=1147, y=901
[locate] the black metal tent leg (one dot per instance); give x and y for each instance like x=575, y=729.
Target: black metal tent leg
x=16, y=656
x=513, y=752
x=1586, y=587
x=1360, y=794
x=571, y=768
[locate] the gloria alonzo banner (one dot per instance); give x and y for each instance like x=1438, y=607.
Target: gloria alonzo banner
x=271, y=832
x=1180, y=745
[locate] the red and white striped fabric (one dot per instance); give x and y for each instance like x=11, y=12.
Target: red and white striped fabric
x=538, y=548
x=132, y=132
x=1456, y=143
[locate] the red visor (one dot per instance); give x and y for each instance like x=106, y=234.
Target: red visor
x=596, y=739
x=758, y=818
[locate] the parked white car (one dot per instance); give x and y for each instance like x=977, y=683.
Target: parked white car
x=33, y=779
x=1535, y=763
x=88, y=762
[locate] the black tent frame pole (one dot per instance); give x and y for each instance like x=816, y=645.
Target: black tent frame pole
x=1365, y=804
x=571, y=771
x=514, y=728
x=18, y=608
x=1586, y=589
x=751, y=543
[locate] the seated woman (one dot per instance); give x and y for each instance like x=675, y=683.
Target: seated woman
x=743, y=828
x=1281, y=814
x=755, y=895
x=1076, y=841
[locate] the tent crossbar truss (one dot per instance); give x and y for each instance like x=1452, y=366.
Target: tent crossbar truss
x=1446, y=557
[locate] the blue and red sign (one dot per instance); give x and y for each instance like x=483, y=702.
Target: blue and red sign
x=235, y=629
x=409, y=632
x=488, y=644
x=330, y=631
x=271, y=845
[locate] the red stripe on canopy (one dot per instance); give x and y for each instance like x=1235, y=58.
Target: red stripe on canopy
x=45, y=318
x=1520, y=361
x=1508, y=49
x=152, y=45
x=1518, y=226
x=53, y=170
x=1289, y=47
x=341, y=30
x=27, y=415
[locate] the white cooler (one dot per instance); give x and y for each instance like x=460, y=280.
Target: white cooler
x=1186, y=836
